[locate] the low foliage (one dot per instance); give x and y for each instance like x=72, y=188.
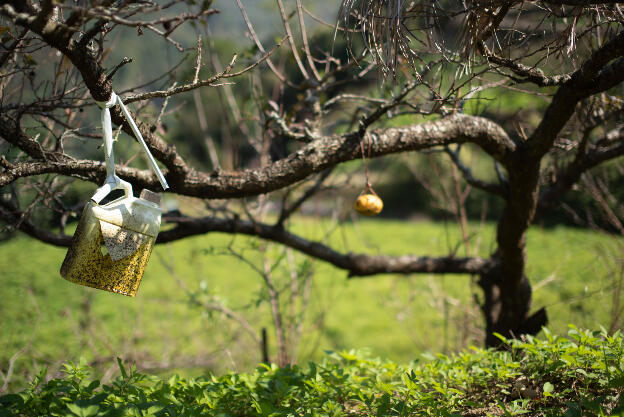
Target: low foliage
x=582, y=374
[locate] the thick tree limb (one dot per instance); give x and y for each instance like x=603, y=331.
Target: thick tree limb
x=506, y=287
x=83, y=169
x=330, y=151
x=11, y=132
x=355, y=264
x=315, y=157
x=59, y=36
x=162, y=151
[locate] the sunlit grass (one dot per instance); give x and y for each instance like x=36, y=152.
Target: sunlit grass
x=397, y=317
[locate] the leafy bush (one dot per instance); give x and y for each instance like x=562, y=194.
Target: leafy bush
x=581, y=375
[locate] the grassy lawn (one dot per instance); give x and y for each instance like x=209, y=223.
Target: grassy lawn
x=46, y=320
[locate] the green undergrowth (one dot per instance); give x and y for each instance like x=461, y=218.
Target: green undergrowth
x=578, y=375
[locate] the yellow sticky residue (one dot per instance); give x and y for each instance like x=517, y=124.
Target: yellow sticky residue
x=88, y=262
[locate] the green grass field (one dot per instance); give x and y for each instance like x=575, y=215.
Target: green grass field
x=46, y=320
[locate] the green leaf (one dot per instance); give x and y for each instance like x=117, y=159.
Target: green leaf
x=11, y=399
x=617, y=382
x=121, y=368
x=83, y=411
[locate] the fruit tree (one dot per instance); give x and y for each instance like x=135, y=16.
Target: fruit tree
x=391, y=76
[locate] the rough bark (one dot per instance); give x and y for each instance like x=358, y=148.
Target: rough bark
x=313, y=158
x=506, y=307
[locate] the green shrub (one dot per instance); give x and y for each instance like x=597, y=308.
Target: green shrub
x=580, y=375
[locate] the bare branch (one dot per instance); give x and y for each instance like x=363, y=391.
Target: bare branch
x=291, y=41
x=11, y=216
x=470, y=179
x=226, y=73
x=553, y=192
x=592, y=77
x=108, y=14
x=211, y=305
x=528, y=74
x=355, y=264
x=288, y=210
x=306, y=46
x=10, y=49
x=315, y=157
x=254, y=37
x=123, y=62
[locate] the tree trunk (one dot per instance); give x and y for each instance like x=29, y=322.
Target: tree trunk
x=506, y=288
x=506, y=307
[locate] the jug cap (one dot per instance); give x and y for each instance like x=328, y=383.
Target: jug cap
x=150, y=196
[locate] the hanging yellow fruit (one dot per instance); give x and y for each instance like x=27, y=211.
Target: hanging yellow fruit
x=368, y=204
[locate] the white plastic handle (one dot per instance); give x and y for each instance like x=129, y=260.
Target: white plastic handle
x=113, y=182
x=104, y=190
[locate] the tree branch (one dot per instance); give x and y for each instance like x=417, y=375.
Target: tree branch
x=553, y=193
x=315, y=157
x=105, y=13
x=8, y=214
x=226, y=73
x=592, y=77
x=529, y=74
x=470, y=179
x=59, y=36
x=83, y=169
x=355, y=264
x=288, y=210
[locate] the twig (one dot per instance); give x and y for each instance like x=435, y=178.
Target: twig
x=254, y=37
x=306, y=46
x=226, y=73
x=123, y=62
x=470, y=179
x=198, y=65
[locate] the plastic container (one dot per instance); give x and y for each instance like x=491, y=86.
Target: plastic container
x=113, y=243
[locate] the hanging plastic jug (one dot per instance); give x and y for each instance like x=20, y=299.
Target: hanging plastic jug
x=113, y=241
